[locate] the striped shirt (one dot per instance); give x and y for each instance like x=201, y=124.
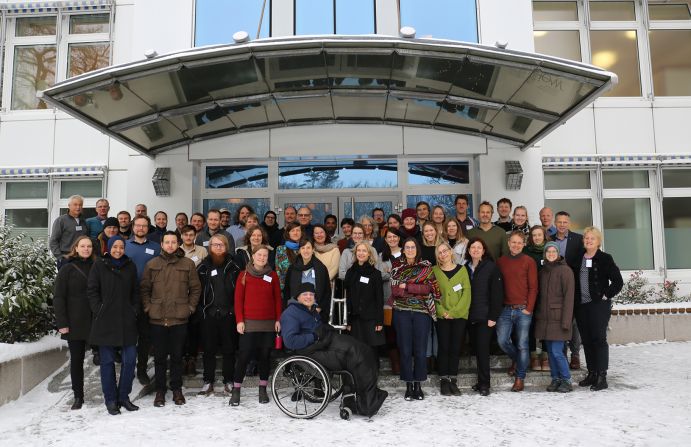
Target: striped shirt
x=585, y=286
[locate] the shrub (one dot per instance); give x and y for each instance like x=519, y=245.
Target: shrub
x=637, y=290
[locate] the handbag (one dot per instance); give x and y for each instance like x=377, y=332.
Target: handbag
x=278, y=341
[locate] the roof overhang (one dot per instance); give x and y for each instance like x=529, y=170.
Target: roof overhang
x=158, y=104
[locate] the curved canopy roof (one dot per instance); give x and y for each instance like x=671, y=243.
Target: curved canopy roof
x=172, y=100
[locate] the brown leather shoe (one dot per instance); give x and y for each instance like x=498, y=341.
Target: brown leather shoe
x=575, y=362
x=544, y=364
x=535, y=364
x=160, y=399
x=206, y=390
x=512, y=369
x=518, y=385
x=178, y=398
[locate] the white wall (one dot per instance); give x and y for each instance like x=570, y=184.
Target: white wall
x=508, y=21
x=164, y=25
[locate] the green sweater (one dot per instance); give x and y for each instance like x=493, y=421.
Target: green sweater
x=456, y=303
x=495, y=238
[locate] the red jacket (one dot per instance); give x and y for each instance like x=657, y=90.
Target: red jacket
x=256, y=298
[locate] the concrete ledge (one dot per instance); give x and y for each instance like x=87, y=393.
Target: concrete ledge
x=655, y=324
x=19, y=376
x=678, y=327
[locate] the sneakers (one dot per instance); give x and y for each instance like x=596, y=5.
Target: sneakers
x=408, y=391
x=552, y=387
x=178, y=397
x=564, y=387
x=518, y=385
x=590, y=379
x=263, y=396
x=160, y=399
x=235, y=397
x=445, y=387
x=207, y=389
x=454, y=387
x=417, y=391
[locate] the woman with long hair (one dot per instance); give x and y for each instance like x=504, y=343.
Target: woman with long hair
x=307, y=268
x=326, y=251
x=288, y=252
x=392, y=252
x=254, y=237
x=431, y=239
x=454, y=235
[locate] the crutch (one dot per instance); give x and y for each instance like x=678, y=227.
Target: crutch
x=338, y=311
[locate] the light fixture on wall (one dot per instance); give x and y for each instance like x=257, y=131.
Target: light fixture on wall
x=514, y=174
x=161, y=181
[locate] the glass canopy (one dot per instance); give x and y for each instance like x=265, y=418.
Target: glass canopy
x=181, y=98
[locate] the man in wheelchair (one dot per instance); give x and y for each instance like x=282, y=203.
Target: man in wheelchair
x=304, y=333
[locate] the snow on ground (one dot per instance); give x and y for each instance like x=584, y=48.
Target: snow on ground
x=14, y=351
x=648, y=403
x=680, y=305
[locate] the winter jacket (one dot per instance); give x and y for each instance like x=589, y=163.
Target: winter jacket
x=114, y=299
x=604, y=278
x=218, y=287
x=455, y=293
x=364, y=293
x=257, y=298
x=486, y=291
x=554, y=311
x=299, y=326
x=66, y=229
x=94, y=226
x=322, y=283
x=170, y=289
x=70, y=300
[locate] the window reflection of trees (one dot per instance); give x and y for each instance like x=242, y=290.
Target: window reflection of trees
x=87, y=57
x=34, y=70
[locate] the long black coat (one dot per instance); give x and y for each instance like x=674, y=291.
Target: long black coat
x=487, y=292
x=322, y=285
x=114, y=299
x=71, y=303
x=365, y=303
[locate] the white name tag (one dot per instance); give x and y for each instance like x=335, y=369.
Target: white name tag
x=364, y=280
x=588, y=263
x=205, y=243
x=149, y=251
x=195, y=258
x=468, y=227
x=267, y=278
x=457, y=287
x=542, y=262
x=312, y=273
x=214, y=272
x=396, y=255
x=78, y=228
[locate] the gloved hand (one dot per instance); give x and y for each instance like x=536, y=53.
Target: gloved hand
x=323, y=332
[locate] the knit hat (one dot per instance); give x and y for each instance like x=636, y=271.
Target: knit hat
x=111, y=222
x=548, y=245
x=304, y=287
x=409, y=212
x=114, y=239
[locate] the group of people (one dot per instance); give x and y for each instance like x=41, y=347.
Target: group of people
x=414, y=283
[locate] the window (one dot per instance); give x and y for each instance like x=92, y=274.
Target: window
x=445, y=200
x=567, y=180
x=434, y=173
x=26, y=190
x=245, y=176
x=617, y=51
x=85, y=188
x=48, y=49
x=24, y=204
x=260, y=205
x=557, y=30
x=217, y=20
x=441, y=19
x=676, y=209
x=571, y=191
x=348, y=17
x=581, y=211
x=670, y=46
x=337, y=175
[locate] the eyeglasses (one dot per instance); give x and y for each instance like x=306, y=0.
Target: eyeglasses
x=409, y=248
x=443, y=251
x=304, y=215
x=140, y=226
x=218, y=245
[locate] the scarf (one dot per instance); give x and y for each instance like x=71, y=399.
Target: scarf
x=258, y=272
x=324, y=248
x=410, y=233
x=418, y=273
x=292, y=245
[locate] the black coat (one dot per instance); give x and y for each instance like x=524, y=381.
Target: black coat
x=322, y=283
x=114, y=299
x=365, y=301
x=604, y=278
x=218, y=291
x=574, y=250
x=487, y=292
x=70, y=300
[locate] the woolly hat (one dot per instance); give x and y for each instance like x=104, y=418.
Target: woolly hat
x=304, y=287
x=111, y=222
x=114, y=239
x=409, y=212
x=548, y=245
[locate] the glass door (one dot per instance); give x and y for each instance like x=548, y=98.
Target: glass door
x=357, y=206
x=320, y=207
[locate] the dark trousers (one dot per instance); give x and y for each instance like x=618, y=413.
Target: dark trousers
x=593, y=319
x=117, y=392
x=192, y=341
x=480, y=339
x=412, y=331
x=77, y=351
x=219, y=333
x=168, y=341
x=450, y=333
x=143, y=342
x=245, y=355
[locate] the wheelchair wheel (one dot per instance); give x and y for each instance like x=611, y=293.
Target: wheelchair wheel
x=301, y=387
x=346, y=413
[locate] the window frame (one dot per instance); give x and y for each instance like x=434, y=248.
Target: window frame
x=672, y=273
x=24, y=204
x=335, y=18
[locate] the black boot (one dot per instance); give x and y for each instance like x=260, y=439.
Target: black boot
x=408, y=391
x=454, y=387
x=590, y=379
x=601, y=382
x=97, y=358
x=78, y=402
x=128, y=405
x=417, y=391
x=113, y=409
x=234, y=397
x=263, y=396
x=445, y=387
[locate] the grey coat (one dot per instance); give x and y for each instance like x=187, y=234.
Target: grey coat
x=554, y=309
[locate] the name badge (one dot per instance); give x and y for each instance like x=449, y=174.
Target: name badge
x=588, y=263
x=267, y=278
x=396, y=255
x=205, y=243
x=468, y=227
x=149, y=251
x=364, y=280
x=214, y=272
x=78, y=228
x=313, y=273
x=542, y=262
x=195, y=258
x=457, y=288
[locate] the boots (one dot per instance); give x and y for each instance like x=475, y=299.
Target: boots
x=544, y=362
x=395, y=358
x=590, y=379
x=417, y=391
x=535, y=362
x=160, y=399
x=78, y=402
x=263, y=396
x=191, y=366
x=575, y=362
x=408, y=391
x=234, y=397
x=518, y=385
x=600, y=382
x=445, y=387
x=178, y=398
x=454, y=387
x=431, y=364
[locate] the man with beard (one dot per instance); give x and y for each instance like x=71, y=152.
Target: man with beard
x=237, y=231
x=125, y=224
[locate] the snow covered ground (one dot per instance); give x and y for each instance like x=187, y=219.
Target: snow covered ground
x=648, y=403
x=14, y=351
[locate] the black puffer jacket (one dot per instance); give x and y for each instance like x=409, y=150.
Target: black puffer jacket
x=365, y=300
x=322, y=285
x=604, y=278
x=70, y=300
x=114, y=299
x=218, y=290
x=487, y=292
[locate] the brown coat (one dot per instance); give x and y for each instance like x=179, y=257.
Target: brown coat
x=170, y=289
x=554, y=311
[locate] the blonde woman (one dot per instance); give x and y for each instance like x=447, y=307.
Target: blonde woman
x=431, y=239
x=456, y=239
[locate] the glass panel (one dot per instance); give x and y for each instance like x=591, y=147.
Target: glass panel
x=445, y=200
x=365, y=209
x=436, y=173
x=355, y=17
x=676, y=178
x=314, y=17
x=521, y=128
x=617, y=51
x=624, y=179
x=464, y=116
x=663, y=10
x=85, y=57
x=301, y=109
x=35, y=26
x=90, y=24
x=677, y=215
x=295, y=72
x=549, y=92
x=336, y=175
x=627, y=220
x=555, y=11
x=26, y=190
x=217, y=20
x=670, y=51
x=34, y=70
x=612, y=11
x=359, y=107
x=345, y=70
x=109, y=104
x=252, y=176
x=581, y=211
x=480, y=80
x=319, y=209
x=260, y=205
x=431, y=74
x=441, y=19
x=566, y=44
x=33, y=222
x=417, y=110
x=84, y=188
x=567, y=180
x=155, y=134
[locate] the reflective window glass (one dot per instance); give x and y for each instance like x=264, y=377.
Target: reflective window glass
x=336, y=175
x=365, y=209
x=445, y=200
x=319, y=210
x=677, y=215
x=624, y=179
x=355, y=17
x=85, y=57
x=627, y=220
x=676, y=178
x=33, y=222
x=581, y=211
x=670, y=51
x=89, y=24
x=555, y=11
x=84, y=188
x=252, y=176
x=669, y=10
x=314, y=17
x=565, y=44
x=617, y=51
x=567, y=180
x=441, y=19
x=34, y=70
x=26, y=190
x=435, y=173
x=612, y=11
x=217, y=20
x=260, y=205
x=35, y=26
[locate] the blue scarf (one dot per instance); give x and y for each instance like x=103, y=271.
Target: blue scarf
x=292, y=245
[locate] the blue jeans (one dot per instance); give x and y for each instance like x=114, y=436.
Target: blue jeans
x=509, y=320
x=412, y=331
x=558, y=365
x=117, y=392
